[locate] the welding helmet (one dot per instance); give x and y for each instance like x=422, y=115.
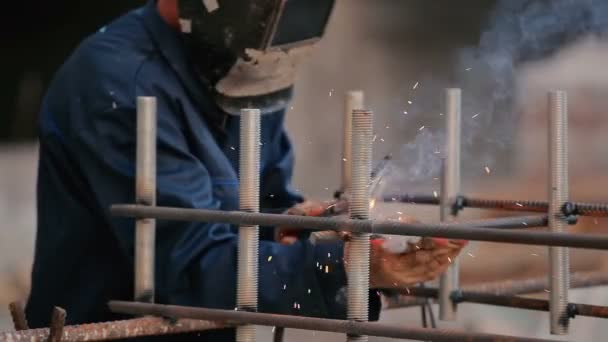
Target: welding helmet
x=248, y=50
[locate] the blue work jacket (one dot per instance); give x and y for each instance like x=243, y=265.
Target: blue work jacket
x=84, y=256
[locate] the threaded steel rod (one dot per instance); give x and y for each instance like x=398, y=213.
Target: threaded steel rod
x=308, y=323
x=145, y=194
x=559, y=269
x=354, y=99
x=249, y=201
x=465, y=231
x=449, y=280
x=358, y=264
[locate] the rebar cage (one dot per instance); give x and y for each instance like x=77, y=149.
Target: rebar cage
x=557, y=214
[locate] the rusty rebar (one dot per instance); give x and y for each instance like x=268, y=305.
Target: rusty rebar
x=117, y=330
x=18, y=315
x=510, y=301
x=57, y=325
x=571, y=208
x=463, y=231
x=308, y=323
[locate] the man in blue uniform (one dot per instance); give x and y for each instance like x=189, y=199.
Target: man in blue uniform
x=202, y=60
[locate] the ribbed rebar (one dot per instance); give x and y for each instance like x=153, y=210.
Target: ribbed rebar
x=145, y=194
x=308, y=323
x=449, y=280
x=354, y=99
x=249, y=201
x=559, y=270
x=574, y=208
x=18, y=315
x=463, y=230
x=115, y=330
x=412, y=296
x=358, y=263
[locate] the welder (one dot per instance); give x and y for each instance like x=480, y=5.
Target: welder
x=203, y=61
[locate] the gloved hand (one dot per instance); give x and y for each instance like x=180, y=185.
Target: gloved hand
x=422, y=261
x=287, y=235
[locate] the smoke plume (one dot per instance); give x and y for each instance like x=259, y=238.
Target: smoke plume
x=517, y=32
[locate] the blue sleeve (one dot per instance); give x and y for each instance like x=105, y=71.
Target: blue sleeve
x=196, y=262
x=278, y=193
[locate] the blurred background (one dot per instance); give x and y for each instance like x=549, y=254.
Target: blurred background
x=402, y=53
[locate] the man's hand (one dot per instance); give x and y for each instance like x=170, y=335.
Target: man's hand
x=287, y=235
x=423, y=261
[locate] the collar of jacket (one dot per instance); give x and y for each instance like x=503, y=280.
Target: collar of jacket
x=172, y=48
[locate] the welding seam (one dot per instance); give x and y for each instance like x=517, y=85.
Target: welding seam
x=465, y=231
x=308, y=323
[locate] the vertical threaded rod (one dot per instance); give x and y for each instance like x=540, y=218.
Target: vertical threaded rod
x=145, y=194
x=354, y=99
x=249, y=200
x=559, y=271
x=358, y=265
x=448, y=281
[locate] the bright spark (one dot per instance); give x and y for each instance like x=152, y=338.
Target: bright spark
x=468, y=69
x=232, y=148
x=474, y=116
x=270, y=258
x=405, y=112
x=488, y=171
x=326, y=268
x=409, y=102
x=471, y=254
x=415, y=85
x=435, y=194
x=421, y=128
x=372, y=203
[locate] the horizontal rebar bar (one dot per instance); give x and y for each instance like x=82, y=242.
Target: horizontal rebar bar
x=507, y=287
x=465, y=231
x=307, y=323
x=504, y=294
x=117, y=330
x=574, y=208
x=509, y=301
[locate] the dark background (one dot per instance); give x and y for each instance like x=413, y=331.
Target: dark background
x=37, y=36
